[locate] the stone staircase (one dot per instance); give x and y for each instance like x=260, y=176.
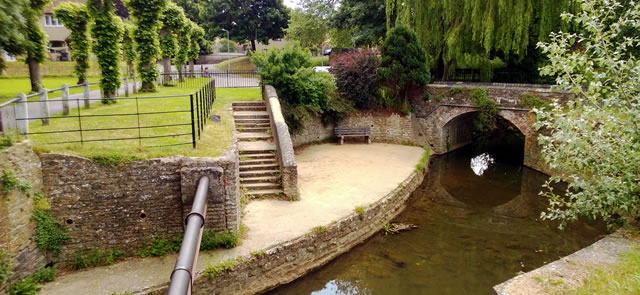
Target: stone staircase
x=260, y=173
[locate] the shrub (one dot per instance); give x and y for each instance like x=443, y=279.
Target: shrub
x=356, y=73
x=211, y=240
x=403, y=66
x=50, y=234
x=532, y=101
x=96, y=257
x=32, y=284
x=485, y=121
x=224, y=42
x=302, y=92
x=161, y=245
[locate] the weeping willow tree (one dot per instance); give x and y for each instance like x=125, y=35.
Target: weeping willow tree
x=477, y=33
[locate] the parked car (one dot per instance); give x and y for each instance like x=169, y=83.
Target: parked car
x=321, y=69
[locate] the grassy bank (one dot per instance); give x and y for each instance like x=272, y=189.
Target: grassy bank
x=238, y=64
x=215, y=138
x=621, y=278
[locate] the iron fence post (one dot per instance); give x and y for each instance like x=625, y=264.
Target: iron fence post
x=193, y=125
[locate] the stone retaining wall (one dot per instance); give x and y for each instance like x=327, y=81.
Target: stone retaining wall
x=385, y=127
x=16, y=209
x=288, y=261
x=124, y=206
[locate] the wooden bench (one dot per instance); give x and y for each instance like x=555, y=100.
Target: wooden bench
x=343, y=132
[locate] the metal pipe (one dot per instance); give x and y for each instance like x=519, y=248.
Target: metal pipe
x=182, y=276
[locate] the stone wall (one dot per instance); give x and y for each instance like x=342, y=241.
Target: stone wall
x=385, y=127
x=124, y=206
x=288, y=261
x=16, y=208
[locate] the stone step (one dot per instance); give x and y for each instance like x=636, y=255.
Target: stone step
x=249, y=109
x=250, y=136
x=267, y=193
x=252, y=121
x=257, y=179
x=257, y=156
x=261, y=186
x=253, y=125
x=248, y=103
x=255, y=147
x=260, y=167
x=261, y=173
x=271, y=161
x=251, y=115
x=254, y=129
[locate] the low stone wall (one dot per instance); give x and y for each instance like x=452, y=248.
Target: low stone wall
x=122, y=207
x=286, y=155
x=16, y=209
x=288, y=261
x=385, y=127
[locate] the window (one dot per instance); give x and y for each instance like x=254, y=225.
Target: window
x=50, y=21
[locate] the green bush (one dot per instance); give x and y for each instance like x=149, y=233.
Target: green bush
x=51, y=235
x=45, y=275
x=223, y=43
x=32, y=284
x=161, y=245
x=96, y=257
x=302, y=92
x=211, y=240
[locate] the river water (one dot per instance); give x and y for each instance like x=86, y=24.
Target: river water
x=478, y=216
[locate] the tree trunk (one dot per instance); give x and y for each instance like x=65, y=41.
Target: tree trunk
x=34, y=74
x=447, y=68
x=132, y=70
x=166, y=65
x=253, y=45
x=191, y=64
x=179, y=67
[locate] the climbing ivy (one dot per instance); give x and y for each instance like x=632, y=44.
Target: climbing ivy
x=485, y=121
x=75, y=17
x=146, y=15
x=51, y=235
x=128, y=50
x=106, y=29
x=184, y=39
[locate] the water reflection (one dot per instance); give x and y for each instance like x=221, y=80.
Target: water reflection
x=481, y=163
x=474, y=232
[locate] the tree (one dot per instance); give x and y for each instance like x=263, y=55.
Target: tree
x=128, y=49
x=452, y=31
x=593, y=141
x=246, y=20
x=75, y=17
x=308, y=29
x=184, y=40
x=106, y=29
x=11, y=22
x=365, y=20
x=357, y=70
x=173, y=20
x=146, y=15
x=197, y=35
x=403, y=66
x=34, y=45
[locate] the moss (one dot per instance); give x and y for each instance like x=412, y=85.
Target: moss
x=423, y=160
x=214, y=270
x=257, y=253
x=319, y=230
x=531, y=101
x=115, y=159
x=6, y=266
x=9, y=182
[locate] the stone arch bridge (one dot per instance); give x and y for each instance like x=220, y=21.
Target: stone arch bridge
x=444, y=122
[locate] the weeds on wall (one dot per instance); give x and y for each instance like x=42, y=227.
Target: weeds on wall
x=211, y=240
x=485, y=121
x=423, y=160
x=96, y=258
x=115, y=159
x=6, y=266
x=9, y=138
x=32, y=284
x=532, y=101
x=51, y=235
x=9, y=182
x=213, y=270
x=161, y=245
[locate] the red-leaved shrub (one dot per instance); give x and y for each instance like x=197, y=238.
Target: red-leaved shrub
x=355, y=74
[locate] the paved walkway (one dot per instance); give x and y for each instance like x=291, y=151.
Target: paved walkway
x=333, y=180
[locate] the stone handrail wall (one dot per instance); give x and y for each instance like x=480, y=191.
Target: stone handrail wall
x=285, y=262
x=284, y=145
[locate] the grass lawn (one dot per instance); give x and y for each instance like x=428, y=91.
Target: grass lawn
x=238, y=64
x=622, y=278
x=318, y=61
x=215, y=138
x=55, y=68
x=10, y=87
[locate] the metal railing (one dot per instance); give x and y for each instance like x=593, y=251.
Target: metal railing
x=182, y=276
x=190, y=111
x=233, y=79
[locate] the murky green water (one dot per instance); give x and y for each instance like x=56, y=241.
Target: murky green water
x=475, y=231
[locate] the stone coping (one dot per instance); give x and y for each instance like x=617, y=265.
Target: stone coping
x=571, y=270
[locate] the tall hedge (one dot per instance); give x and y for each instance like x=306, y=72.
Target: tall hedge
x=197, y=34
x=106, y=29
x=127, y=49
x=184, y=40
x=146, y=15
x=75, y=17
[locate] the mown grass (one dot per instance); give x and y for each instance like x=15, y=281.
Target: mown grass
x=10, y=87
x=238, y=64
x=215, y=138
x=55, y=69
x=318, y=61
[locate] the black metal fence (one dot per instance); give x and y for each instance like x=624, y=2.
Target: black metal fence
x=234, y=79
x=171, y=120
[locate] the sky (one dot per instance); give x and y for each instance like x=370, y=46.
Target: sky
x=291, y=3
